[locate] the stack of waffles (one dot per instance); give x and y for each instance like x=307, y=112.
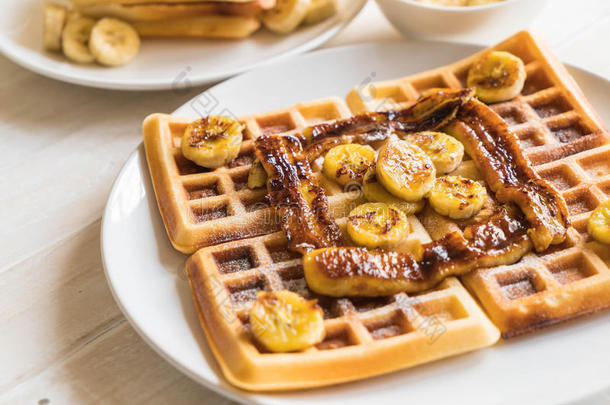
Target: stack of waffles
x=182, y=18
x=240, y=249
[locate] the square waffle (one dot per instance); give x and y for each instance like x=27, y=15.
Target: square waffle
x=424, y=327
x=202, y=207
x=244, y=252
x=364, y=336
x=567, y=145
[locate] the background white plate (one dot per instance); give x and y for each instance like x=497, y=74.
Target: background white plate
x=161, y=63
x=563, y=364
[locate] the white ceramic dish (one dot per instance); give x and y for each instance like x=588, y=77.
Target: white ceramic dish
x=476, y=24
x=559, y=365
x=161, y=63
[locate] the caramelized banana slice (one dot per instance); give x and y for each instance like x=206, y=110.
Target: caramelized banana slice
x=362, y=272
x=457, y=197
x=405, y=170
x=212, y=141
x=374, y=192
x=347, y=163
x=377, y=225
x=356, y=271
x=427, y=114
x=445, y=151
x=295, y=194
x=497, y=76
x=283, y=321
x=257, y=176
x=496, y=152
x=599, y=223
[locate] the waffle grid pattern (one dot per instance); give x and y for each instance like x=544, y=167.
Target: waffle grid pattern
x=202, y=207
x=562, y=137
x=255, y=265
x=540, y=291
x=228, y=277
x=568, y=146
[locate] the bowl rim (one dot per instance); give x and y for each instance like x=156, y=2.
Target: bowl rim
x=461, y=9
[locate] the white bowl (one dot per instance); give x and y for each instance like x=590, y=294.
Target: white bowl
x=473, y=24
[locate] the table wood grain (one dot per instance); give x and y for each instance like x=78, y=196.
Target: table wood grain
x=63, y=338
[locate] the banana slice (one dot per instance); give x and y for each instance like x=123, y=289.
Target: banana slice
x=320, y=10
x=457, y=197
x=257, y=176
x=114, y=42
x=377, y=225
x=347, y=164
x=75, y=40
x=405, y=170
x=445, y=151
x=497, y=76
x=599, y=223
x=286, y=16
x=54, y=21
x=212, y=141
x=283, y=321
x=374, y=192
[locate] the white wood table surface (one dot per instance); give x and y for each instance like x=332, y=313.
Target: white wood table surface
x=63, y=340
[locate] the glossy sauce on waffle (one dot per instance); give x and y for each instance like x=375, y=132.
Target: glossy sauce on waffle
x=563, y=139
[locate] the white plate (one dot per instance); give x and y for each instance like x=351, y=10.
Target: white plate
x=161, y=63
x=563, y=364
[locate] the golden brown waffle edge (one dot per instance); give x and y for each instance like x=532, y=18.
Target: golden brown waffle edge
x=563, y=137
x=567, y=144
x=363, y=337
x=202, y=207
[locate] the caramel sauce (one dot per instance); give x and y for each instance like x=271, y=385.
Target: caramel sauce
x=296, y=195
x=500, y=159
x=428, y=114
x=503, y=238
x=203, y=130
x=293, y=190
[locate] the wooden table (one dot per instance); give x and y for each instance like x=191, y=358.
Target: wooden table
x=63, y=340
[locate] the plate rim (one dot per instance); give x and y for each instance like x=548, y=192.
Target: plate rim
x=226, y=390
x=14, y=52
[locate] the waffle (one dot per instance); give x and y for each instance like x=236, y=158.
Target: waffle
x=424, y=327
x=231, y=19
x=202, y=207
x=364, y=337
x=244, y=251
x=567, y=144
x=206, y=26
x=166, y=10
x=86, y=3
